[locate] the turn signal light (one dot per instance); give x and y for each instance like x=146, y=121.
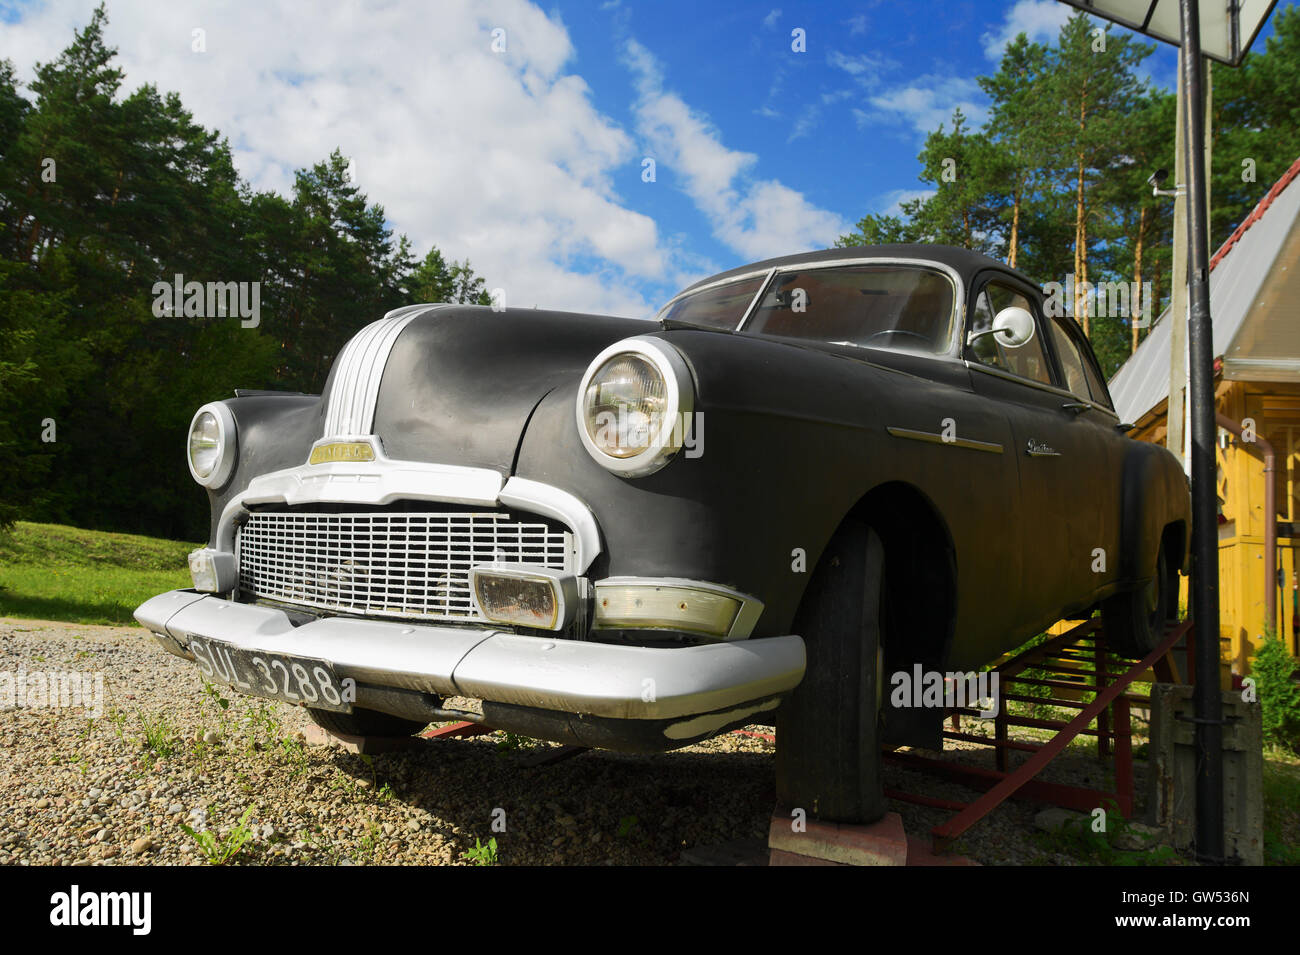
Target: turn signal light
x=524, y=596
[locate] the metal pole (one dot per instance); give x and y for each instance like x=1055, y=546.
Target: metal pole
x=1205, y=542
x=1175, y=440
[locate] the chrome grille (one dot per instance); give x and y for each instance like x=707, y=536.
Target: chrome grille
x=387, y=563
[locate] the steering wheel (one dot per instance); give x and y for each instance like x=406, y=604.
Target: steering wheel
x=897, y=331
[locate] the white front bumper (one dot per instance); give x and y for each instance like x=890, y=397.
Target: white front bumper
x=568, y=676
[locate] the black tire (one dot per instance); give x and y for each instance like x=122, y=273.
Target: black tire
x=828, y=730
x=364, y=723
x=1135, y=621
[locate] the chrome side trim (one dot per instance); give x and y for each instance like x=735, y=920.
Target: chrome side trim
x=932, y=438
x=350, y=407
x=384, y=481
x=568, y=676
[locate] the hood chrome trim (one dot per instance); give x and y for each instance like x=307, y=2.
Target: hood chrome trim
x=354, y=392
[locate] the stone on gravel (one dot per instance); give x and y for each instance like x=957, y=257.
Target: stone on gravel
x=1055, y=819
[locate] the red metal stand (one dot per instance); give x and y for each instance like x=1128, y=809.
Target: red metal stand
x=457, y=729
x=1107, y=682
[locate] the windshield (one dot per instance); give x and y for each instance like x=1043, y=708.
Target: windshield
x=722, y=306
x=901, y=307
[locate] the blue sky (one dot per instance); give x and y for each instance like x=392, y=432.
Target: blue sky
x=528, y=157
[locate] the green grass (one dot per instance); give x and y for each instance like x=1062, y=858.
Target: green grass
x=1281, y=808
x=53, y=572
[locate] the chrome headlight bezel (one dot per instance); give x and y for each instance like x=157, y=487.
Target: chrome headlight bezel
x=226, y=445
x=665, y=437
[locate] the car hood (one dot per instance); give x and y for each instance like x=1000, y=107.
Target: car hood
x=460, y=382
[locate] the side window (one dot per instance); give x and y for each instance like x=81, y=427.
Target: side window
x=1027, y=361
x=1095, y=380
x=1076, y=379
x=1081, y=374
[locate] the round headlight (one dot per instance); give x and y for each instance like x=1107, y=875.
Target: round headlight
x=211, y=447
x=633, y=406
x=623, y=400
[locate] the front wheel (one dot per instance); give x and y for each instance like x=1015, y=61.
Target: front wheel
x=1135, y=621
x=828, y=730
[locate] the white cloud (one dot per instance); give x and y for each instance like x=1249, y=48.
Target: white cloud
x=864, y=67
x=926, y=102
x=891, y=203
x=755, y=217
x=1040, y=20
x=769, y=21
x=806, y=121
x=498, y=157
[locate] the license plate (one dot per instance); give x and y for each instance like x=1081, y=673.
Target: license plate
x=275, y=676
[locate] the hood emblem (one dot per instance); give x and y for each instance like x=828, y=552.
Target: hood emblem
x=326, y=452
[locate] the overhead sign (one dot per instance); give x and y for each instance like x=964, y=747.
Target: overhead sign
x=1228, y=27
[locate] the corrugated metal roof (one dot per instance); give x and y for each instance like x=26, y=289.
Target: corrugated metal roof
x=1239, y=270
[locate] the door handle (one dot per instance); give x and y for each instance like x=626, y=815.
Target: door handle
x=1078, y=407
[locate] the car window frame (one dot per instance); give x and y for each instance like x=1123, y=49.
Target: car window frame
x=956, y=309
x=1054, y=322
x=956, y=346
x=1031, y=294
x=1035, y=297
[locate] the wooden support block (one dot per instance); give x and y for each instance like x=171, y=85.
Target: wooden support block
x=834, y=843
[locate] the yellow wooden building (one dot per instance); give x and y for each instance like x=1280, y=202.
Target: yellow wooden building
x=1255, y=307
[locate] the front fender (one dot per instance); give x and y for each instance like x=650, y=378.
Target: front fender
x=793, y=438
x=273, y=432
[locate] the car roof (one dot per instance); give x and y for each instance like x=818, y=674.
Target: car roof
x=965, y=261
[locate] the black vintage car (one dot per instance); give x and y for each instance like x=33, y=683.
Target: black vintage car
x=807, y=474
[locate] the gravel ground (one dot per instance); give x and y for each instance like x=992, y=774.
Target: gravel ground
x=75, y=790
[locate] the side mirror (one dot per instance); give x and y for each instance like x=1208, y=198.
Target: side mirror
x=1013, y=326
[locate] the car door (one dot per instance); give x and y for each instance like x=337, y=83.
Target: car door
x=1057, y=453
x=1097, y=425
